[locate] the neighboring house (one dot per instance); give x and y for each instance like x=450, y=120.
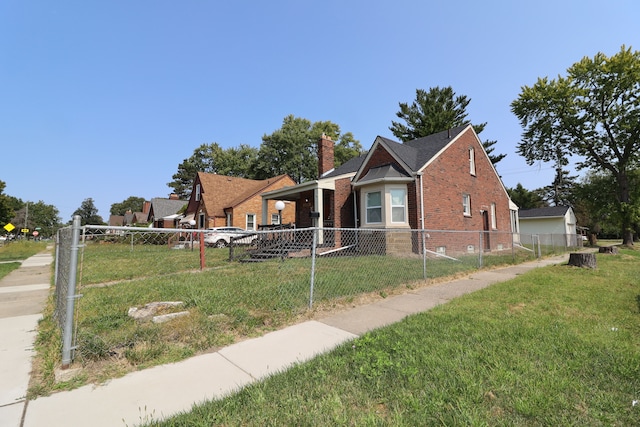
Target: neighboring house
x=226, y=201
x=164, y=213
x=128, y=219
x=444, y=181
x=555, y=220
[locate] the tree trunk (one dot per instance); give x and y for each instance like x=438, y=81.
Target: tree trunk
x=582, y=260
x=608, y=250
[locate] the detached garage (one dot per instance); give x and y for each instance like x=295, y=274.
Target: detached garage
x=557, y=222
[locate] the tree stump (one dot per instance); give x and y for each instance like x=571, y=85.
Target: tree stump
x=587, y=260
x=608, y=250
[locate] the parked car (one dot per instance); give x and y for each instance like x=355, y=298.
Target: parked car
x=220, y=237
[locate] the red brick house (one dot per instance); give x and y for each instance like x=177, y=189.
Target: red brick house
x=219, y=201
x=444, y=181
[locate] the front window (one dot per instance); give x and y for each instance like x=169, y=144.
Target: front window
x=251, y=221
x=398, y=205
x=374, y=207
x=466, y=204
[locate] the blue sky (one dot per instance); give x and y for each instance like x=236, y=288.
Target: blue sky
x=104, y=99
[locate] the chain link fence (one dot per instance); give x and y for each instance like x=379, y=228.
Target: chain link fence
x=267, y=273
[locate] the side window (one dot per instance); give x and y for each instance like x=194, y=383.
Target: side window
x=251, y=221
x=494, y=222
x=472, y=161
x=374, y=207
x=466, y=204
x=398, y=205
x=275, y=219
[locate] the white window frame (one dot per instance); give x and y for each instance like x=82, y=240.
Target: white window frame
x=275, y=219
x=252, y=221
x=371, y=208
x=197, y=192
x=494, y=221
x=466, y=204
x=403, y=206
x=472, y=161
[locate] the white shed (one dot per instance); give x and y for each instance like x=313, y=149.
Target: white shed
x=550, y=222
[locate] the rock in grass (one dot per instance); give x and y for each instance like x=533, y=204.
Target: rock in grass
x=150, y=310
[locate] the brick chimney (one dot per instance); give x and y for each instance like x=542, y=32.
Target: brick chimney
x=325, y=155
x=173, y=196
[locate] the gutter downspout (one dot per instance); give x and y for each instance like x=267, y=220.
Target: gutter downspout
x=419, y=174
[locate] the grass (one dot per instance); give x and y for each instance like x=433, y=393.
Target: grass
x=556, y=346
x=17, y=251
x=226, y=302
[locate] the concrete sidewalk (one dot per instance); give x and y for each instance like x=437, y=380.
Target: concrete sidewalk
x=23, y=294
x=165, y=390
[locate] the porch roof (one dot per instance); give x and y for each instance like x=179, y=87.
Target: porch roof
x=293, y=193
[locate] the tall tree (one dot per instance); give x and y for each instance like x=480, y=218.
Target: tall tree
x=592, y=113
x=292, y=149
x=38, y=217
x=524, y=198
x=88, y=213
x=6, y=210
x=560, y=192
x=434, y=111
x=132, y=203
x=346, y=149
x=211, y=158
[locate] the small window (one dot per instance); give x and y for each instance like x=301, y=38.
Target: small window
x=251, y=221
x=494, y=223
x=398, y=205
x=472, y=161
x=442, y=250
x=471, y=249
x=466, y=204
x=374, y=207
x=275, y=219
x=197, y=192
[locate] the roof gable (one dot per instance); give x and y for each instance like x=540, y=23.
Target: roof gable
x=416, y=154
x=219, y=192
x=161, y=208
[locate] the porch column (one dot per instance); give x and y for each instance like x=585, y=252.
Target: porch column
x=265, y=210
x=318, y=207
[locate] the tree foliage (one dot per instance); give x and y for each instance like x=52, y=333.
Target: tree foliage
x=39, y=217
x=561, y=191
x=132, y=203
x=592, y=113
x=596, y=202
x=6, y=210
x=434, y=111
x=526, y=199
x=291, y=150
x=88, y=213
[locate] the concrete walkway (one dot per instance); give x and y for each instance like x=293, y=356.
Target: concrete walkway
x=162, y=391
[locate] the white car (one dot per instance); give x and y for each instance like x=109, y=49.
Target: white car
x=220, y=237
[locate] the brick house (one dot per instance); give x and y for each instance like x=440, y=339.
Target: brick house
x=443, y=181
x=219, y=201
x=163, y=212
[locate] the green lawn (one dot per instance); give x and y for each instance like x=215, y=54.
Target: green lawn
x=226, y=302
x=17, y=251
x=556, y=346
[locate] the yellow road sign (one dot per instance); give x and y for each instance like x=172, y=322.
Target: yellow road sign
x=24, y=230
x=9, y=227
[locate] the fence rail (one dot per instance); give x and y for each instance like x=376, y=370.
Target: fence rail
x=279, y=269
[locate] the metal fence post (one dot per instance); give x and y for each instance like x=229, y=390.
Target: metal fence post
x=480, y=246
x=67, y=334
x=313, y=266
x=424, y=256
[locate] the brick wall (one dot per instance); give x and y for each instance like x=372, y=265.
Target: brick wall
x=325, y=154
x=448, y=178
